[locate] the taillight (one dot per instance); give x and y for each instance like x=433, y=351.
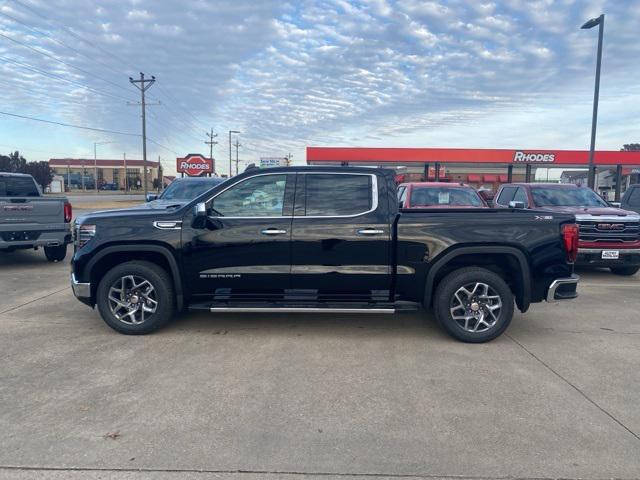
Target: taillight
x=68, y=213
x=570, y=234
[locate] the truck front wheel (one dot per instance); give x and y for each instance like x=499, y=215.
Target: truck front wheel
x=473, y=304
x=136, y=297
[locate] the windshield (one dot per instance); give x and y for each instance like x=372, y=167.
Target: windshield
x=451, y=196
x=566, y=197
x=188, y=189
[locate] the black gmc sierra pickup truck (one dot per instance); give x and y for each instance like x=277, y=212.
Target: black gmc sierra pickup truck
x=316, y=239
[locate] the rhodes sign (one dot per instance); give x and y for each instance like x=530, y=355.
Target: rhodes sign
x=194, y=165
x=527, y=157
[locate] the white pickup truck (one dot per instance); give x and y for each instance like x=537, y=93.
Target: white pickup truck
x=29, y=219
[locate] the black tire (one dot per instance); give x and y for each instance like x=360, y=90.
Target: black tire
x=163, y=295
x=625, y=271
x=445, y=300
x=55, y=254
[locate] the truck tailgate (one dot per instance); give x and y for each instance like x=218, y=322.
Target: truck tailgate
x=29, y=210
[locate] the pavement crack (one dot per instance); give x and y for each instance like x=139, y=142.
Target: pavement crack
x=576, y=388
x=282, y=473
x=10, y=309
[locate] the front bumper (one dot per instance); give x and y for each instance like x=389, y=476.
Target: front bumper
x=563, y=288
x=80, y=290
x=593, y=256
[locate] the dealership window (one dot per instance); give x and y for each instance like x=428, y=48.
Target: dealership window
x=337, y=195
x=261, y=196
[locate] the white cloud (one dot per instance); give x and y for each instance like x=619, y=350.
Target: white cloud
x=319, y=71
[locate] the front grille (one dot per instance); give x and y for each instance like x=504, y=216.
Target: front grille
x=609, y=231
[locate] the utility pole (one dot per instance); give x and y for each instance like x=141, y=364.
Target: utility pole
x=230, y=132
x=126, y=180
x=211, y=143
x=237, y=145
x=288, y=158
x=143, y=85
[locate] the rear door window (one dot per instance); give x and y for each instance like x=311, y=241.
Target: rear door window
x=18, y=187
x=506, y=195
x=332, y=195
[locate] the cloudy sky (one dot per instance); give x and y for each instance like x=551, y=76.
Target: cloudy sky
x=458, y=73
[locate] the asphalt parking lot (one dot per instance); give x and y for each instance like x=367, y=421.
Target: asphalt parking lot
x=244, y=396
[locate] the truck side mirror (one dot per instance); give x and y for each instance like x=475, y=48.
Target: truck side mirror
x=151, y=197
x=516, y=204
x=200, y=210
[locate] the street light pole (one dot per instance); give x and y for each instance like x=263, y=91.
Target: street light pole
x=230, y=160
x=594, y=120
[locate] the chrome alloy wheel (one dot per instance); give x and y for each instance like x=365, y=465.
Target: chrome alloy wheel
x=132, y=299
x=476, y=307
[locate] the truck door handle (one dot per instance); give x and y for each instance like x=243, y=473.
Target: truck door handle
x=370, y=231
x=272, y=231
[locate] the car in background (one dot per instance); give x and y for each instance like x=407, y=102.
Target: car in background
x=631, y=199
x=609, y=236
x=439, y=195
x=109, y=187
x=183, y=190
x=28, y=219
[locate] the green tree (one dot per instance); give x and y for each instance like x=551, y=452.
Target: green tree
x=40, y=171
x=631, y=147
x=14, y=163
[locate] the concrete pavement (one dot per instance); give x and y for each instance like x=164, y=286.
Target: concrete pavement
x=297, y=396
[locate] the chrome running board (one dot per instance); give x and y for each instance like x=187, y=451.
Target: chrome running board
x=301, y=310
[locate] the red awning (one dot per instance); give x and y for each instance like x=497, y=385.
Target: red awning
x=491, y=178
x=474, y=178
x=503, y=178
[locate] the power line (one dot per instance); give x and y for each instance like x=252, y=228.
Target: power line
x=162, y=146
x=53, y=57
x=168, y=125
x=61, y=43
x=62, y=124
x=75, y=35
x=59, y=77
x=185, y=118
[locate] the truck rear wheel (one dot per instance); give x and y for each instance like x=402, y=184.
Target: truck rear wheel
x=473, y=304
x=626, y=271
x=55, y=254
x=136, y=297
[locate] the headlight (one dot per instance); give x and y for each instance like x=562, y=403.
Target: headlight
x=83, y=233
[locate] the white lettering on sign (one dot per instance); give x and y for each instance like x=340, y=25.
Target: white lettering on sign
x=196, y=166
x=534, y=157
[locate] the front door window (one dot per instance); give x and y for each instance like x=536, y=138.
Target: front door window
x=261, y=196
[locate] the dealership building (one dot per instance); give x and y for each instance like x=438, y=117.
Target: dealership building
x=488, y=168
x=123, y=173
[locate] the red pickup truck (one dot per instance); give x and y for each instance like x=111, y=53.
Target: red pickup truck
x=439, y=195
x=609, y=236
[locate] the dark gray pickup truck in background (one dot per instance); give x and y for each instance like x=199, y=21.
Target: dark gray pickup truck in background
x=29, y=219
